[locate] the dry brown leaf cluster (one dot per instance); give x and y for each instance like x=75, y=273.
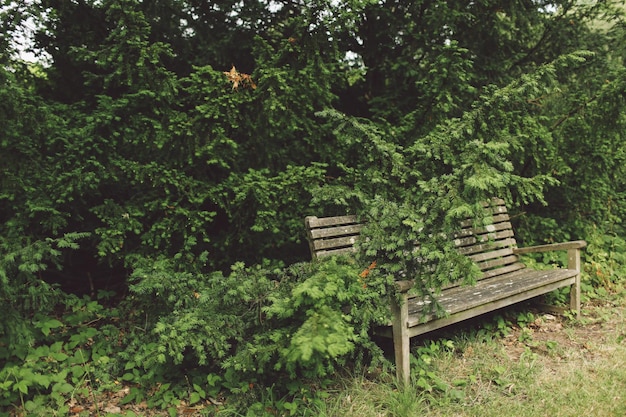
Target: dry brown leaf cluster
x=239, y=79
x=112, y=402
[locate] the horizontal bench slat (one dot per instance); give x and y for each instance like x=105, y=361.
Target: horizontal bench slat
x=467, y=241
x=495, y=201
x=353, y=229
x=502, y=270
x=315, y=222
x=489, y=246
x=483, y=230
x=324, y=244
x=342, y=251
x=499, y=218
x=492, y=254
x=505, y=260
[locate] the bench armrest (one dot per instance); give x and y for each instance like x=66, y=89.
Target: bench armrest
x=576, y=244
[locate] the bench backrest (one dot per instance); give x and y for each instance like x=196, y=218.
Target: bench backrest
x=491, y=247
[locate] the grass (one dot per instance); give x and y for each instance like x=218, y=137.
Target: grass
x=547, y=366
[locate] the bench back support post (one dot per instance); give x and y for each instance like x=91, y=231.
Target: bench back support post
x=401, y=339
x=573, y=262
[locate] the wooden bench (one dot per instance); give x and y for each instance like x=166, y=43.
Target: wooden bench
x=505, y=280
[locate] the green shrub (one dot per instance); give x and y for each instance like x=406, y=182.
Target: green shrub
x=307, y=319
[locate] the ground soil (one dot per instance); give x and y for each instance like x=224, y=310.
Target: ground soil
x=556, y=337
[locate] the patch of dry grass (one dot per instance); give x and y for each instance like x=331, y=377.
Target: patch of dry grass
x=552, y=366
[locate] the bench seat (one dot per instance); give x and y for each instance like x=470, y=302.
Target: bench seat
x=464, y=302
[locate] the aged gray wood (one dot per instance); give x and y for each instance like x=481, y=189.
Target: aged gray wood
x=351, y=229
x=505, y=280
x=314, y=221
x=332, y=235
x=485, y=291
x=576, y=244
x=333, y=243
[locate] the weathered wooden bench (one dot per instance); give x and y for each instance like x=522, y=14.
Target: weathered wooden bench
x=505, y=280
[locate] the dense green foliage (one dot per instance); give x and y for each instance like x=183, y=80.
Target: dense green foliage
x=168, y=151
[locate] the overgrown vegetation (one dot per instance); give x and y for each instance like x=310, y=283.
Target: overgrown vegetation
x=157, y=159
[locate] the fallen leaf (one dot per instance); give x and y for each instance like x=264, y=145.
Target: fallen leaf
x=112, y=409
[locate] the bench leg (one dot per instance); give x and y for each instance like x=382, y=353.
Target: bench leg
x=401, y=340
x=573, y=262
